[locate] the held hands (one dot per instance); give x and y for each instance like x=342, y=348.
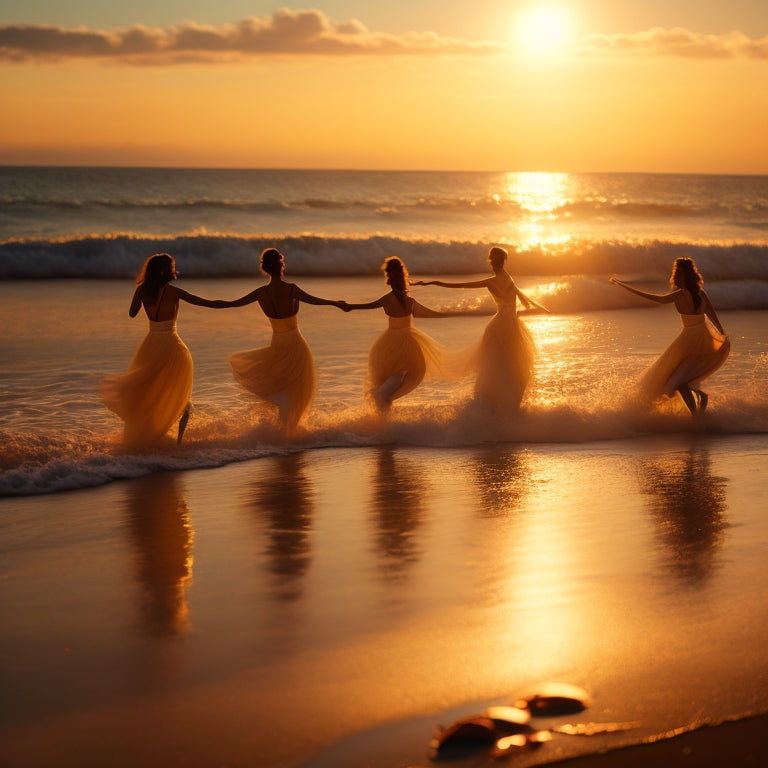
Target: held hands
x=341, y=304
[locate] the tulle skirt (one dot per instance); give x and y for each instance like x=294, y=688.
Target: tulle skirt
x=282, y=373
x=402, y=350
x=504, y=362
x=151, y=396
x=697, y=352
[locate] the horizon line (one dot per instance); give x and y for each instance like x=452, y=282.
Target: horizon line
x=339, y=169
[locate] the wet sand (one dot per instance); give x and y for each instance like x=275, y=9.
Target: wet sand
x=332, y=607
x=741, y=743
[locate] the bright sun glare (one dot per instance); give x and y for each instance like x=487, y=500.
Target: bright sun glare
x=543, y=30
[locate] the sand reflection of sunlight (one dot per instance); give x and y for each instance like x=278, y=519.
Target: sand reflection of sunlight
x=546, y=569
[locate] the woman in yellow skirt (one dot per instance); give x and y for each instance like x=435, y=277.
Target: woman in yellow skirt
x=402, y=355
x=503, y=360
x=154, y=393
x=700, y=348
x=282, y=373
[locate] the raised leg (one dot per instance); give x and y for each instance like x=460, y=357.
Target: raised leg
x=382, y=395
x=688, y=398
x=703, y=400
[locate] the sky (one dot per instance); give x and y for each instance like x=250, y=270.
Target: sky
x=498, y=85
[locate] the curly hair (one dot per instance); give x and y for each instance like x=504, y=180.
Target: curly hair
x=686, y=275
x=157, y=270
x=397, y=277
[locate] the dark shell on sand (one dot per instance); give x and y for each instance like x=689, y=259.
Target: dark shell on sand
x=554, y=699
x=470, y=734
x=463, y=737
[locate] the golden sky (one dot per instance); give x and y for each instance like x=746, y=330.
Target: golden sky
x=580, y=88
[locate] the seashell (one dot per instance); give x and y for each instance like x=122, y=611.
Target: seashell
x=464, y=736
x=509, y=719
x=554, y=699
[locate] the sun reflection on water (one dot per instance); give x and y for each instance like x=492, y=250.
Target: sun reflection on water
x=538, y=192
x=541, y=199
x=564, y=358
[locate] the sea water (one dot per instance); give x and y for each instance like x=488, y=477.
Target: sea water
x=73, y=239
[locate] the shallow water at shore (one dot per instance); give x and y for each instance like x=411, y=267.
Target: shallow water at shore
x=57, y=435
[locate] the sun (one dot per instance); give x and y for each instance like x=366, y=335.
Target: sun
x=543, y=30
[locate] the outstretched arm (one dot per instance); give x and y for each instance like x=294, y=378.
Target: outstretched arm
x=216, y=303
x=664, y=298
x=419, y=310
x=471, y=284
x=308, y=298
x=529, y=302
x=370, y=305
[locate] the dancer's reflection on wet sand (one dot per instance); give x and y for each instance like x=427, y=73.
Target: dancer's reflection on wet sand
x=397, y=511
x=283, y=500
x=160, y=530
x=688, y=503
x=501, y=479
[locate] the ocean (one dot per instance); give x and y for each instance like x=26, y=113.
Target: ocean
x=329, y=600
x=101, y=223
x=73, y=239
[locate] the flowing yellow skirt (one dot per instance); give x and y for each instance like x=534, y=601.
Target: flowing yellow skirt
x=282, y=373
x=697, y=352
x=151, y=396
x=402, y=350
x=504, y=362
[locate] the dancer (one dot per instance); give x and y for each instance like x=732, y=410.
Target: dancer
x=154, y=393
x=697, y=352
x=284, y=372
x=402, y=355
x=504, y=357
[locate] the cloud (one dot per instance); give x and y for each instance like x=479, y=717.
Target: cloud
x=680, y=43
x=302, y=32
x=311, y=32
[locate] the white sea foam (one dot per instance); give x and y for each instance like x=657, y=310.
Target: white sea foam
x=49, y=463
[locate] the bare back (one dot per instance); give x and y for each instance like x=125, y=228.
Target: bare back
x=503, y=288
x=394, y=308
x=165, y=306
x=683, y=299
x=278, y=299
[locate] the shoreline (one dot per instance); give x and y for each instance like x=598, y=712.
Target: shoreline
x=731, y=743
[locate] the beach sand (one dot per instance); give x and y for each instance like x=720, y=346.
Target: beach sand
x=333, y=607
